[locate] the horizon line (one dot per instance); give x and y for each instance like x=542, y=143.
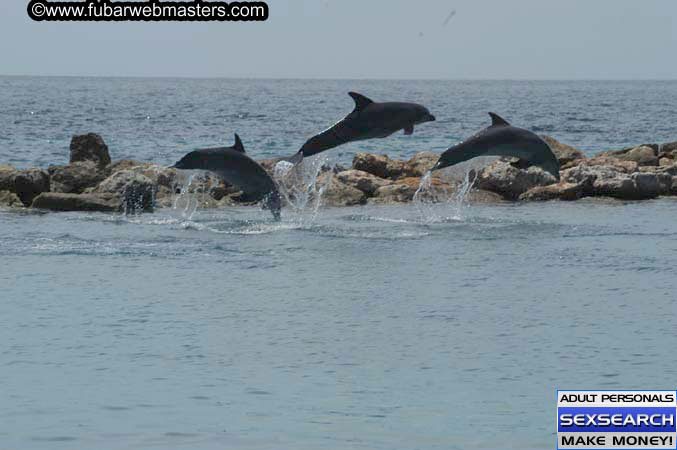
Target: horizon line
x=264, y=78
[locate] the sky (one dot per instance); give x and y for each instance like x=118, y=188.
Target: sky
x=363, y=39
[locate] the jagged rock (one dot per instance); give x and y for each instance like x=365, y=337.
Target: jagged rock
x=618, y=164
x=611, y=181
x=125, y=164
x=665, y=162
x=136, y=191
x=363, y=181
x=421, y=163
x=75, y=178
x=26, y=184
x=403, y=190
x=642, y=155
x=559, y=191
x=337, y=193
x=566, y=154
x=379, y=165
x=10, y=200
x=30, y=183
x=7, y=178
x=509, y=181
x=90, y=147
x=78, y=202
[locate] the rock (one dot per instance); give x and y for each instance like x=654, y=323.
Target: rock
x=421, y=163
x=670, y=147
x=559, y=191
x=136, y=191
x=665, y=161
x=90, y=147
x=30, y=183
x=642, y=155
x=482, y=196
x=75, y=178
x=404, y=189
x=610, y=161
x=363, y=181
x=10, y=200
x=509, y=181
x=78, y=202
x=125, y=164
x=337, y=193
x=611, y=181
x=7, y=178
x=566, y=154
x=379, y=165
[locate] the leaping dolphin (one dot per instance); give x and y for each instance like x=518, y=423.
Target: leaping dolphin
x=368, y=120
x=502, y=139
x=237, y=169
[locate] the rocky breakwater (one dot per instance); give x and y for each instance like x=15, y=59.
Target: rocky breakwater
x=92, y=181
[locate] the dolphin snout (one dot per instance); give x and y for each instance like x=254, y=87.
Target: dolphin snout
x=430, y=118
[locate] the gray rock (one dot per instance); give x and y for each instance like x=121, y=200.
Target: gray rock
x=559, y=191
x=642, y=155
x=89, y=147
x=511, y=182
x=136, y=191
x=9, y=199
x=54, y=201
x=30, y=183
x=76, y=177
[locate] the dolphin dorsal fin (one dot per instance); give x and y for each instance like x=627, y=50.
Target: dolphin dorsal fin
x=238, y=144
x=361, y=101
x=497, y=120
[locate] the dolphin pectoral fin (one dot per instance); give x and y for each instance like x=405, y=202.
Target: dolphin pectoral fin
x=408, y=131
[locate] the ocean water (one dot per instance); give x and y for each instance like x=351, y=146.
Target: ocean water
x=161, y=119
x=373, y=327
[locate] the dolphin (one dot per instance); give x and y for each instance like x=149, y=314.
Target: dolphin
x=237, y=169
x=368, y=120
x=502, y=139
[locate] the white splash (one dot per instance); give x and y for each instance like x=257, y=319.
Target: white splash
x=300, y=186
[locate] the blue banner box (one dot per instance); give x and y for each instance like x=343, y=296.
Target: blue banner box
x=622, y=420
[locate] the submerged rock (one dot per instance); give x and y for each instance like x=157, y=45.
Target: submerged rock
x=54, y=201
x=89, y=147
x=511, y=182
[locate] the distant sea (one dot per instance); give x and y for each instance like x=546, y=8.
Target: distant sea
x=372, y=327
x=160, y=119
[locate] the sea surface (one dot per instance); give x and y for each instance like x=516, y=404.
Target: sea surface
x=448, y=326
